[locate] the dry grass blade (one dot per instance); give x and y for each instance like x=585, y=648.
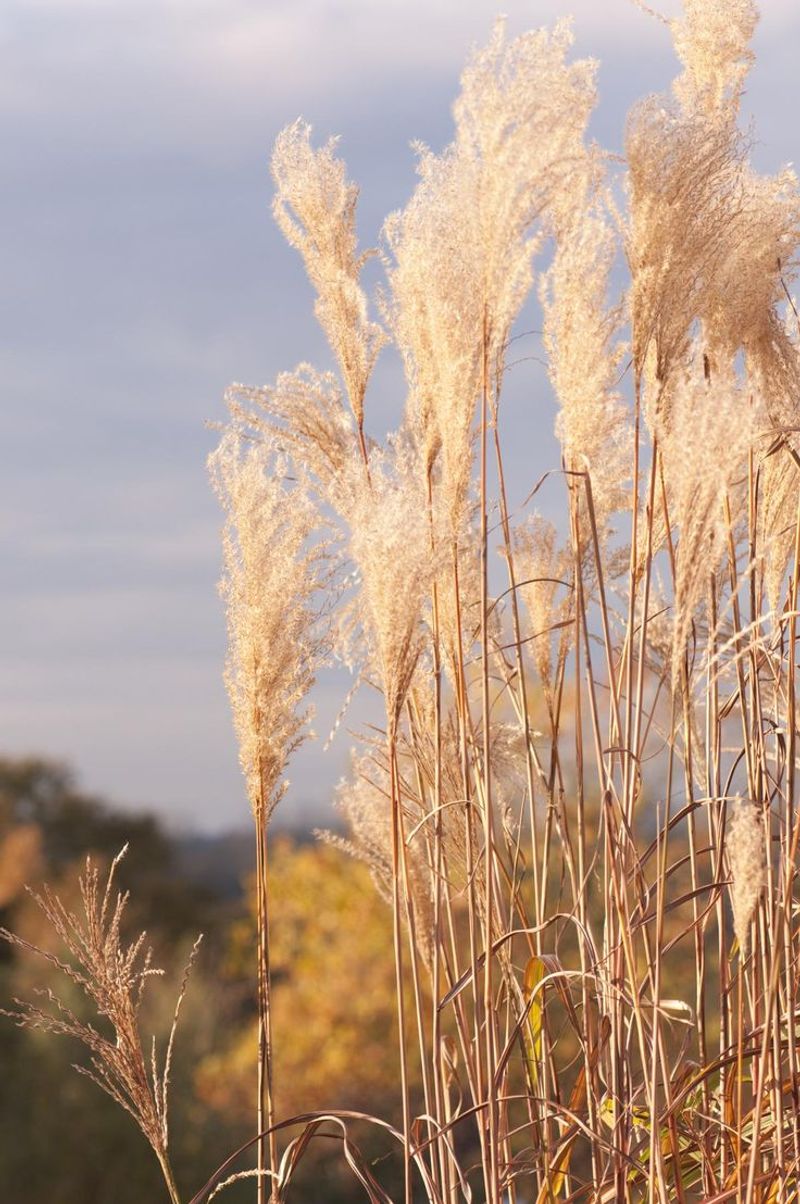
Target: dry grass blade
x=112, y=976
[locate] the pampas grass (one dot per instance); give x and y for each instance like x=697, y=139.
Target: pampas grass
x=650, y=634
x=112, y=975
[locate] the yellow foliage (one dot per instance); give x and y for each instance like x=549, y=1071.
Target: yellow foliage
x=20, y=860
x=334, y=1015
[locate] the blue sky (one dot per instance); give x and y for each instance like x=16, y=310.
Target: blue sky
x=141, y=273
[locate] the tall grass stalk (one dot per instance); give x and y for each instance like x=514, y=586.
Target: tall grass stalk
x=574, y=893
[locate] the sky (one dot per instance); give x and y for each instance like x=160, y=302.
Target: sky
x=141, y=273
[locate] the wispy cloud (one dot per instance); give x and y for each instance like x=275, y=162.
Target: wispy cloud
x=223, y=53
x=207, y=75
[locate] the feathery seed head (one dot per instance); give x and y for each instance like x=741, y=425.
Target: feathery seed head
x=705, y=430
x=520, y=123
x=302, y=413
x=464, y=245
x=580, y=330
x=390, y=546
x=364, y=801
x=685, y=218
x=777, y=520
x=744, y=843
x=709, y=239
x=113, y=976
x=712, y=40
x=435, y=314
x=272, y=575
x=315, y=207
x=546, y=584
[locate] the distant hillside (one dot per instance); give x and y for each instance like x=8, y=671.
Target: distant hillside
x=219, y=863
x=222, y=863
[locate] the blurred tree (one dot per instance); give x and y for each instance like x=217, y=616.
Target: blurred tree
x=335, y=1022
x=40, y=796
x=62, y=1140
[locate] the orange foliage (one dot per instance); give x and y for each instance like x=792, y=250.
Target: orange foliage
x=335, y=1033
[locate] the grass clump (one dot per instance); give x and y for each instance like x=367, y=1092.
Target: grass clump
x=588, y=748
